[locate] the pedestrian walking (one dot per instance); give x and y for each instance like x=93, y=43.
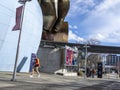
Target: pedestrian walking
x=93, y=73
x=36, y=65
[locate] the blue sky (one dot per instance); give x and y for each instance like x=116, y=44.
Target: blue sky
x=94, y=19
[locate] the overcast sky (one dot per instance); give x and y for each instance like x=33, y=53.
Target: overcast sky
x=94, y=19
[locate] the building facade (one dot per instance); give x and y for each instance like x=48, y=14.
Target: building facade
x=30, y=36
x=112, y=60
x=112, y=63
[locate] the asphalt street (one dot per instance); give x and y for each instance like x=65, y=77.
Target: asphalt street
x=55, y=82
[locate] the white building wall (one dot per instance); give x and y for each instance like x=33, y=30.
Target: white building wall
x=31, y=33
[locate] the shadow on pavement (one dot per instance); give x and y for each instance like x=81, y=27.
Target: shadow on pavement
x=109, y=85
x=22, y=85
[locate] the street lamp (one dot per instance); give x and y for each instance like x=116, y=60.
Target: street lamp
x=85, y=58
x=17, y=52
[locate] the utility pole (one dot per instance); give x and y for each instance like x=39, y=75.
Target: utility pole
x=85, y=59
x=23, y=2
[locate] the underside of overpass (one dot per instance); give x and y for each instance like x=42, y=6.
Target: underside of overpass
x=92, y=48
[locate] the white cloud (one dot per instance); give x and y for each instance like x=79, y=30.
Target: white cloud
x=107, y=5
x=103, y=22
x=74, y=37
x=80, y=7
x=73, y=27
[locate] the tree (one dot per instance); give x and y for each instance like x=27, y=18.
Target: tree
x=93, y=41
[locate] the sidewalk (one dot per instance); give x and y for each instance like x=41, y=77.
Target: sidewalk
x=52, y=82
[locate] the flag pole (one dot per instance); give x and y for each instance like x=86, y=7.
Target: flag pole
x=19, y=39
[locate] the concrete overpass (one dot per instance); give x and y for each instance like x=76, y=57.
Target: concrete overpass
x=92, y=48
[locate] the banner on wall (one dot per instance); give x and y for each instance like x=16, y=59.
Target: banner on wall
x=69, y=57
x=33, y=56
x=18, y=18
